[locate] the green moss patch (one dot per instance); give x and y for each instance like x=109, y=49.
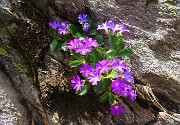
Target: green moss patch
x=20, y=67
x=3, y=52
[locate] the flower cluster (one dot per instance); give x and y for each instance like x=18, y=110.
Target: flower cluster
x=61, y=27
x=112, y=28
x=93, y=75
x=101, y=69
x=119, y=86
x=83, y=46
x=83, y=20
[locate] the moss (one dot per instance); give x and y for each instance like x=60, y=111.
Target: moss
x=3, y=52
x=170, y=2
x=20, y=67
x=17, y=76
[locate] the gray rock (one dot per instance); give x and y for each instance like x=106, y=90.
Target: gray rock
x=12, y=112
x=166, y=119
x=17, y=76
x=70, y=9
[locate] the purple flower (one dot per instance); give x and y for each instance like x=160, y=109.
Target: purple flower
x=83, y=50
x=122, y=28
x=73, y=44
x=118, y=86
x=104, y=66
x=103, y=26
x=55, y=24
x=116, y=27
x=132, y=94
x=83, y=18
x=117, y=110
x=62, y=29
x=118, y=65
x=86, y=27
x=77, y=84
x=95, y=77
x=82, y=46
x=89, y=42
x=86, y=69
x=113, y=27
x=128, y=76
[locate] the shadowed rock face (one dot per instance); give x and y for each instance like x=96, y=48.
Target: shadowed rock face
x=18, y=42
x=20, y=104
x=156, y=63
x=12, y=112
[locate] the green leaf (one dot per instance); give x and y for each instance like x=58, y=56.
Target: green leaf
x=53, y=45
x=111, y=54
x=99, y=38
x=102, y=52
x=106, y=83
x=76, y=55
x=98, y=88
x=53, y=33
x=111, y=98
x=117, y=43
x=92, y=32
x=88, y=58
x=120, y=44
x=63, y=47
x=126, y=53
x=75, y=63
x=104, y=97
x=79, y=35
x=85, y=89
x=96, y=56
x=113, y=40
x=73, y=29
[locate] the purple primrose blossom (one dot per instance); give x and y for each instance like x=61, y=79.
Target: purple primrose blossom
x=82, y=46
x=116, y=27
x=110, y=26
x=55, y=24
x=86, y=27
x=86, y=69
x=95, y=77
x=103, y=26
x=83, y=18
x=63, y=28
x=117, y=110
x=120, y=87
x=77, y=83
x=119, y=65
x=89, y=42
x=104, y=66
x=128, y=76
x=83, y=49
x=132, y=94
x=73, y=44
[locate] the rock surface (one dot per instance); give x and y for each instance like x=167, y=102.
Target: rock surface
x=19, y=93
x=12, y=112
